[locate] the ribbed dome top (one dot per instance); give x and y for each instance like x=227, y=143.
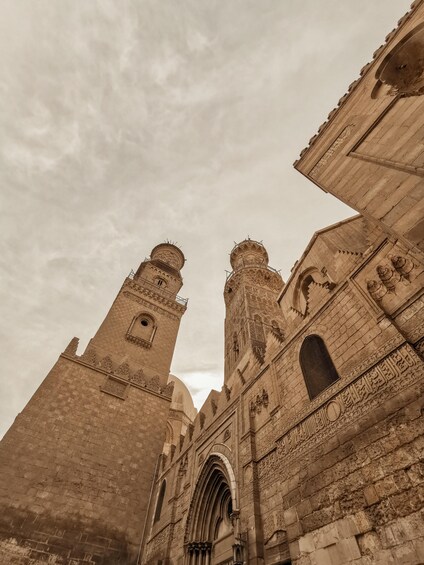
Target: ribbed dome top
x=248, y=253
x=170, y=254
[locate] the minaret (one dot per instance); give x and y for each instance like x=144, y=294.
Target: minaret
x=252, y=311
x=142, y=325
x=77, y=464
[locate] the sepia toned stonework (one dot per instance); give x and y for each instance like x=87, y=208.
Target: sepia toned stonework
x=78, y=463
x=312, y=451
x=276, y=471
x=369, y=153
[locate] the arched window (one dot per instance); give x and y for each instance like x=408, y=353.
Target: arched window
x=318, y=369
x=211, y=517
x=159, y=502
x=142, y=330
x=160, y=282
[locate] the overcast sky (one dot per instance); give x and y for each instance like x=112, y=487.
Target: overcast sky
x=125, y=123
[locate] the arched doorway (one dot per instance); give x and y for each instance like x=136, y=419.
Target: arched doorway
x=212, y=535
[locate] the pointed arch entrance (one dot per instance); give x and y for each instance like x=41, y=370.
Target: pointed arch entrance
x=211, y=536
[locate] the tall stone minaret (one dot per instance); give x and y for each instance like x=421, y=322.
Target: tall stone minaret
x=252, y=311
x=78, y=463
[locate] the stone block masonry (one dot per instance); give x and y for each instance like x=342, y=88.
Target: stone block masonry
x=76, y=470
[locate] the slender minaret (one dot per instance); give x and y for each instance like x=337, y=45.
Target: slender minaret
x=77, y=464
x=252, y=311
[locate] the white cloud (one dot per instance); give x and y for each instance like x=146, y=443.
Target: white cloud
x=123, y=124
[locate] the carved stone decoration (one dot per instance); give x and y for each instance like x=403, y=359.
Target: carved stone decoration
x=259, y=352
x=89, y=356
x=227, y=391
x=72, y=347
x=376, y=289
x=168, y=257
x=261, y=400
x=123, y=370
x=334, y=410
x=227, y=434
x=366, y=392
x=389, y=277
x=138, y=341
x=202, y=418
x=311, y=281
x=402, y=265
x=332, y=150
x=238, y=553
x=199, y=547
x=153, y=384
x=201, y=458
x=277, y=331
x=106, y=363
x=419, y=348
x=214, y=406
x=150, y=305
x=168, y=389
x=139, y=378
x=190, y=431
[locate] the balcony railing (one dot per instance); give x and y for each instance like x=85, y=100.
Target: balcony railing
x=159, y=290
x=229, y=274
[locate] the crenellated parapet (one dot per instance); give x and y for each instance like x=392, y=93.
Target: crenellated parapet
x=120, y=375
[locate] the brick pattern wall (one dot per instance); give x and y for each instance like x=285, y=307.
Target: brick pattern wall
x=77, y=466
x=131, y=301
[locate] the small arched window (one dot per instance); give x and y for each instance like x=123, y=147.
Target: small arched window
x=159, y=502
x=160, y=282
x=142, y=330
x=318, y=369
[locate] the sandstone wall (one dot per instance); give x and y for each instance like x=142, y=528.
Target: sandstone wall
x=335, y=479
x=77, y=467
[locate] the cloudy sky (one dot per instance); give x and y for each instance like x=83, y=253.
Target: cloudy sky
x=125, y=123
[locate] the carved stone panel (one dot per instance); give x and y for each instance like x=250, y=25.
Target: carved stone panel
x=115, y=387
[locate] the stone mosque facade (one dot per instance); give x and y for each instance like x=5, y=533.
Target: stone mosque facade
x=312, y=453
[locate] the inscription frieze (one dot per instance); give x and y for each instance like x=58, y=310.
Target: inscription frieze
x=337, y=143
x=409, y=312
x=395, y=372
